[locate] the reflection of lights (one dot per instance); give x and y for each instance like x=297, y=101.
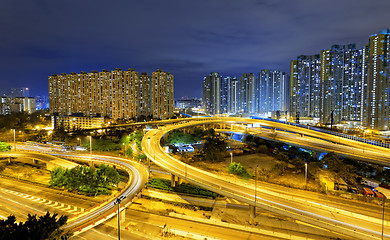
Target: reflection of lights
x=50, y=132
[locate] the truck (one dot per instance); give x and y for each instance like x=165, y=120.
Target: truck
x=369, y=182
x=368, y=192
x=379, y=195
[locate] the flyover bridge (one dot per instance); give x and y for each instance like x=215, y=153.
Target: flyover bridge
x=342, y=221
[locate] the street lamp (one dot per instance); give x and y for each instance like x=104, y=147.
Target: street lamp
x=78, y=139
x=231, y=158
x=256, y=184
x=305, y=173
x=118, y=201
x=14, y=141
x=90, y=146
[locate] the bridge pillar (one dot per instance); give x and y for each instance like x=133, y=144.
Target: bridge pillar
x=173, y=182
x=252, y=212
x=122, y=215
x=179, y=180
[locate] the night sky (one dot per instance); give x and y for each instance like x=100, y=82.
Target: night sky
x=188, y=38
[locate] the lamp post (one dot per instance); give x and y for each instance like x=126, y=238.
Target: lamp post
x=14, y=140
x=78, y=139
x=118, y=201
x=305, y=173
x=383, y=215
x=90, y=146
x=256, y=185
x=231, y=158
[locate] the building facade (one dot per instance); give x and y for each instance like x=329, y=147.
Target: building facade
x=305, y=87
x=17, y=104
x=113, y=94
x=246, y=95
x=342, y=81
x=273, y=91
x=211, y=93
x=377, y=114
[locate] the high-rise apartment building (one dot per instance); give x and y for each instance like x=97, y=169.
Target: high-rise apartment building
x=163, y=102
x=273, y=91
x=305, y=86
x=378, y=82
x=114, y=94
x=342, y=81
x=243, y=95
x=211, y=93
x=248, y=93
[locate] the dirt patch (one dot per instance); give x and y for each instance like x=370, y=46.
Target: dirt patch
x=27, y=172
x=263, y=161
x=164, y=208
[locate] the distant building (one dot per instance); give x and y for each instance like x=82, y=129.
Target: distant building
x=41, y=102
x=273, y=91
x=305, y=86
x=70, y=123
x=188, y=103
x=246, y=95
x=211, y=93
x=15, y=105
x=20, y=93
x=113, y=94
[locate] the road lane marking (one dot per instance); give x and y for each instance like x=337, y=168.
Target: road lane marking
x=53, y=204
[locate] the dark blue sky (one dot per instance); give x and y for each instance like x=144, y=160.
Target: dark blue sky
x=185, y=37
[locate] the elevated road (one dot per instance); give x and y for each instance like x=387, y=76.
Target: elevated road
x=345, y=222
x=138, y=177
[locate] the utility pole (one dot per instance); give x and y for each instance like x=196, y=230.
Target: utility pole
x=90, y=146
x=256, y=185
x=383, y=215
x=118, y=201
x=331, y=120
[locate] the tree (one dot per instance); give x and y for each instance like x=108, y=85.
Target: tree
x=237, y=169
x=214, y=148
x=4, y=147
x=35, y=228
x=108, y=174
x=343, y=170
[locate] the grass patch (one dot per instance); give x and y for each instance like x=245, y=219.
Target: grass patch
x=165, y=184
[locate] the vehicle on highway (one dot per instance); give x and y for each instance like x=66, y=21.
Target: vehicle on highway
x=368, y=192
x=369, y=182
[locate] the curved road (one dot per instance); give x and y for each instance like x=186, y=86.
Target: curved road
x=138, y=177
x=345, y=222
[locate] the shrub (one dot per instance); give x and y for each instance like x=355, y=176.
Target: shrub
x=239, y=170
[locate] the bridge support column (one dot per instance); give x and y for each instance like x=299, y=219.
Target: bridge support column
x=173, y=182
x=122, y=215
x=179, y=180
x=252, y=212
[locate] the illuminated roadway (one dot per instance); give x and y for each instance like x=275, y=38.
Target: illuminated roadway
x=343, y=221
x=138, y=177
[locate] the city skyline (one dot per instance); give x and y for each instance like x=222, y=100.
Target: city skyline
x=188, y=39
